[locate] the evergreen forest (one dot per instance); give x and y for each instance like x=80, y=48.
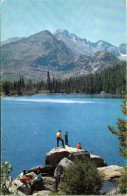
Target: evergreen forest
x=108, y=81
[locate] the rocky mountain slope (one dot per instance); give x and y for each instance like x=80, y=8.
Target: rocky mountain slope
x=82, y=46
x=92, y=64
x=32, y=57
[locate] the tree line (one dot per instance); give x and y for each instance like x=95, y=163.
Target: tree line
x=111, y=80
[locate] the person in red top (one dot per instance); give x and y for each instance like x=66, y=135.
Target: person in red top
x=79, y=146
x=24, y=178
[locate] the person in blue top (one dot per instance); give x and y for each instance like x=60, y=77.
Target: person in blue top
x=37, y=182
x=38, y=177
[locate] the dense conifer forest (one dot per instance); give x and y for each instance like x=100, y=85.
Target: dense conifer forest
x=109, y=81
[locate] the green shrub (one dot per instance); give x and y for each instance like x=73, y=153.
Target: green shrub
x=81, y=178
x=123, y=182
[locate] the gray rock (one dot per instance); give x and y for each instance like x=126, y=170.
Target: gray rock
x=38, y=186
x=25, y=188
x=79, y=155
x=111, y=173
x=64, y=163
x=114, y=191
x=99, y=162
x=18, y=193
x=49, y=183
x=46, y=169
x=57, y=154
x=16, y=186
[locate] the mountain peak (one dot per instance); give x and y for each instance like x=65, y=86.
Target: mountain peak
x=41, y=36
x=45, y=32
x=63, y=31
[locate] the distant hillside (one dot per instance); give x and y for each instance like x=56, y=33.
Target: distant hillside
x=13, y=39
x=32, y=57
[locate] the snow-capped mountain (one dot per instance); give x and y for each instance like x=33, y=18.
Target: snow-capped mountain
x=82, y=46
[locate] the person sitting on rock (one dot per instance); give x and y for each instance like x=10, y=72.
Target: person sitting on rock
x=59, y=137
x=66, y=138
x=24, y=178
x=37, y=183
x=79, y=146
x=38, y=177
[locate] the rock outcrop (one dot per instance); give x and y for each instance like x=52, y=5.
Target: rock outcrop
x=49, y=183
x=57, y=154
x=111, y=173
x=37, y=186
x=16, y=186
x=45, y=170
x=64, y=163
x=99, y=162
x=52, y=173
x=79, y=155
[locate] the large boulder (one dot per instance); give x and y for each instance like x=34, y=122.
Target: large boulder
x=49, y=183
x=79, y=155
x=111, y=173
x=99, y=162
x=16, y=186
x=45, y=170
x=57, y=154
x=25, y=188
x=38, y=186
x=64, y=163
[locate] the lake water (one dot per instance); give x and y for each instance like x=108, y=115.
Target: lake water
x=30, y=124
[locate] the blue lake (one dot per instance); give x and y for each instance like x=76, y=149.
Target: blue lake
x=30, y=124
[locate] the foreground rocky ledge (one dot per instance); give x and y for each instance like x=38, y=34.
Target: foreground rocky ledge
x=111, y=173
x=52, y=172
x=57, y=154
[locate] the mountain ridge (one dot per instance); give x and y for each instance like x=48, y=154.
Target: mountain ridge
x=32, y=57
x=84, y=46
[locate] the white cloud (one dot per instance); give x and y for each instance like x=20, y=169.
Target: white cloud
x=1, y=1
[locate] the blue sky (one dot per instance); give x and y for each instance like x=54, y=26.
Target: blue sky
x=91, y=19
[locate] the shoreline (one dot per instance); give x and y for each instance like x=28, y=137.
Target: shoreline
x=104, y=95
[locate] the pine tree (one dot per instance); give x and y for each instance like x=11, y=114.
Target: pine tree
x=7, y=87
x=48, y=81
x=122, y=131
